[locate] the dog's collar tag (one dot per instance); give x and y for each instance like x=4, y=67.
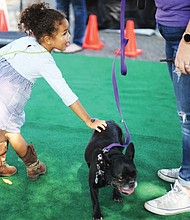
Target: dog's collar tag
x=99, y=171
x=100, y=157
x=96, y=179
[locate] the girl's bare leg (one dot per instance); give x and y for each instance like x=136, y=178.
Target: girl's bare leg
x=27, y=153
x=17, y=142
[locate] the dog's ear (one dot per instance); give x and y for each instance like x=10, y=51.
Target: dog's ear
x=120, y=135
x=130, y=151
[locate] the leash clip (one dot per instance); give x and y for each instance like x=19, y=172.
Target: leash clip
x=105, y=150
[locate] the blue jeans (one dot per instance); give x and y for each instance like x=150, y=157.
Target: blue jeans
x=80, y=17
x=181, y=83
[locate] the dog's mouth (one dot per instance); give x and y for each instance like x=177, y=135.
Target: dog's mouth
x=127, y=191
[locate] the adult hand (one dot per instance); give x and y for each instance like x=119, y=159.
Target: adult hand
x=182, y=60
x=96, y=124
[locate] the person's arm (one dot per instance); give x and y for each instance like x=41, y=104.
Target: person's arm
x=93, y=123
x=182, y=60
x=53, y=76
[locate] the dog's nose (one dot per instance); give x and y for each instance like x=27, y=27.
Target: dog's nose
x=131, y=183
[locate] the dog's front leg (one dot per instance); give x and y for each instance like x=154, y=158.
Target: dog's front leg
x=97, y=215
x=117, y=197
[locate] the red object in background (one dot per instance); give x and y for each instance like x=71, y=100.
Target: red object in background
x=91, y=38
x=131, y=47
x=3, y=21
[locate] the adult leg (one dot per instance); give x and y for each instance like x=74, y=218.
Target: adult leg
x=80, y=14
x=181, y=84
x=178, y=199
x=171, y=44
x=182, y=92
x=63, y=5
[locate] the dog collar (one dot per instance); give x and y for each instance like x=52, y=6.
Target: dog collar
x=108, y=148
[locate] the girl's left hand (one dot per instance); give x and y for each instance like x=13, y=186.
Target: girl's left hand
x=96, y=124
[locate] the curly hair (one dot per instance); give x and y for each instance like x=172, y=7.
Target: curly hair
x=39, y=20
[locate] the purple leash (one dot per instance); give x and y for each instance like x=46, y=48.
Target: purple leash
x=123, y=42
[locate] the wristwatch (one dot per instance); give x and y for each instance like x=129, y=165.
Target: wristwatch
x=186, y=37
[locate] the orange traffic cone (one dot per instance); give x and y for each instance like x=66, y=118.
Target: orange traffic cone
x=91, y=38
x=3, y=22
x=131, y=47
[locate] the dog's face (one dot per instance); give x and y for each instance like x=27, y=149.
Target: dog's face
x=123, y=172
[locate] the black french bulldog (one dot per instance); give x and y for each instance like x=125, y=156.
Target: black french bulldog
x=110, y=167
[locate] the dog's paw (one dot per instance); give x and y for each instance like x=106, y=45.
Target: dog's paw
x=97, y=217
x=116, y=196
x=117, y=199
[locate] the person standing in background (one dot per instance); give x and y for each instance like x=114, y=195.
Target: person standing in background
x=80, y=17
x=173, y=19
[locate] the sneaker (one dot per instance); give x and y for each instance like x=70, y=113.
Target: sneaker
x=169, y=175
x=72, y=48
x=57, y=51
x=174, y=202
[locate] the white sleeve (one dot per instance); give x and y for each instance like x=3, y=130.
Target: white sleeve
x=53, y=76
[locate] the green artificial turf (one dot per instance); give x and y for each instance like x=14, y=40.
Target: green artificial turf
x=148, y=105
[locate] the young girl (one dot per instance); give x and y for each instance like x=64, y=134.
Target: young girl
x=21, y=63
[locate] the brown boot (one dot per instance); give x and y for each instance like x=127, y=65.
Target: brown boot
x=5, y=170
x=34, y=167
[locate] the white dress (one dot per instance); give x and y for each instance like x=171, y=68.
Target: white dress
x=22, y=62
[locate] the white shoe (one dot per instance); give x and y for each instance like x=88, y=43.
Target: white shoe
x=72, y=48
x=174, y=202
x=169, y=175
x=57, y=51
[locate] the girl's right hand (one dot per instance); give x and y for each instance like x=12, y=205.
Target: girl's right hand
x=95, y=123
